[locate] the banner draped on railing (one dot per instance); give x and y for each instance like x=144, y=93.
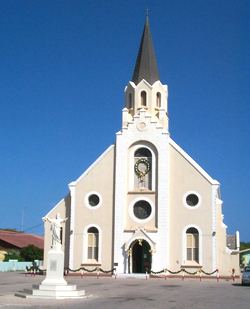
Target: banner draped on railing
x=183, y=270
x=34, y=269
x=90, y=270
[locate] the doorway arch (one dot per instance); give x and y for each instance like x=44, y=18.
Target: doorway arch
x=141, y=257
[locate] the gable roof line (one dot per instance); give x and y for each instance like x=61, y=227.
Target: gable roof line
x=57, y=204
x=80, y=177
x=193, y=163
x=92, y=165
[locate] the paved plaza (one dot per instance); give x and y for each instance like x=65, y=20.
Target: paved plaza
x=109, y=293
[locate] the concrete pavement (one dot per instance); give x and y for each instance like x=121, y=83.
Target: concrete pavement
x=109, y=293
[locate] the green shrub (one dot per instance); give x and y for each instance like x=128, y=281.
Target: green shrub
x=31, y=253
x=13, y=254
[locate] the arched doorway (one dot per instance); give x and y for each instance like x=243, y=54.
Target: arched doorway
x=141, y=256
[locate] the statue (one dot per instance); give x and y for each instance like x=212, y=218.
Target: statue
x=56, y=225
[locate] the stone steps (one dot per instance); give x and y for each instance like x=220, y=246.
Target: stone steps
x=132, y=276
x=49, y=291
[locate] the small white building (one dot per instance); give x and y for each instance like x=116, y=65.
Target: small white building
x=145, y=203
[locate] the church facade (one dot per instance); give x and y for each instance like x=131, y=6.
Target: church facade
x=145, y=204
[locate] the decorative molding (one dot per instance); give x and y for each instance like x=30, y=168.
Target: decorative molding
x=140, y=233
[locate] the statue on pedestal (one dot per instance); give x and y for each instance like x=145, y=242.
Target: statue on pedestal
x=56, y=226
x=54, y=285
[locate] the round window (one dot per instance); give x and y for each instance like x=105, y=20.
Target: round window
x=192, y=199
x=142, y=209
x=93, y=200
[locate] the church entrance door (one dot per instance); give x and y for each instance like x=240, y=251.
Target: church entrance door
x=141, y=257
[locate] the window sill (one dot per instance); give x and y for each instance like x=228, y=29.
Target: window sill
x=91, y=264
x=147, y=230
x=145, y=191
x=191, y=265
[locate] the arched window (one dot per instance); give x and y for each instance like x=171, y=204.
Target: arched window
x=143, y=98
x=158, y=99
x=192, y=236
x=143, y=169
x=93, y=243
x=130, y=101
x=143, y=152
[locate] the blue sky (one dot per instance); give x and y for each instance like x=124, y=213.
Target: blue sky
x=64, y=66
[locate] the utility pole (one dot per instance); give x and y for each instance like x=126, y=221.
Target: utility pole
x=22, y=220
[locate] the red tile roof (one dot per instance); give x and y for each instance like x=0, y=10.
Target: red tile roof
x=21, y=240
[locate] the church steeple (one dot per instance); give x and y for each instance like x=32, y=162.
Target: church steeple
x=145, y=95
x=146, y=65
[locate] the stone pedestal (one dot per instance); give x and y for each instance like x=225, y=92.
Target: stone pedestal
x=55, y=268
x=54, y=285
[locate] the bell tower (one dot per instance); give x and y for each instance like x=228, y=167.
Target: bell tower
x=145, y=91
x=141, y=167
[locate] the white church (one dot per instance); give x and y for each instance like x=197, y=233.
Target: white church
x=145, y=204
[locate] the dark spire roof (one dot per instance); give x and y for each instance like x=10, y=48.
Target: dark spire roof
x=146, y=65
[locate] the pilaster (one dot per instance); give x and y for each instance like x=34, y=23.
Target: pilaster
x=72, y=188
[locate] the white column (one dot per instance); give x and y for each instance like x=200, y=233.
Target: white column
x=214, y=223
x=120, y=202
x=161, y=256
x=72, y=224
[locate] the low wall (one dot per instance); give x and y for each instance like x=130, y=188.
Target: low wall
x=14, y=265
